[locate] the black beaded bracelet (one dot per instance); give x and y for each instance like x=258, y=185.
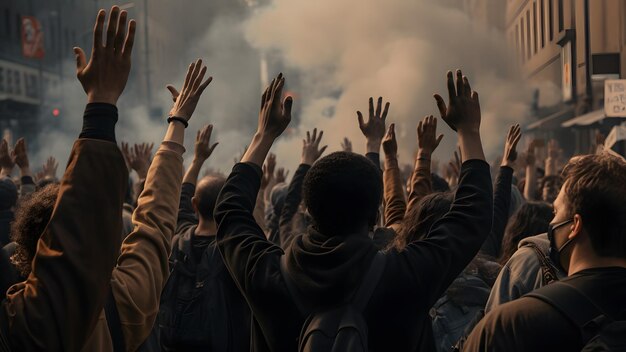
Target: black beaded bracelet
x=179, y=119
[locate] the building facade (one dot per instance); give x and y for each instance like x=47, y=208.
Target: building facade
x=567, y=49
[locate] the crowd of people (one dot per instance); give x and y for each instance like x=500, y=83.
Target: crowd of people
x=348, y=255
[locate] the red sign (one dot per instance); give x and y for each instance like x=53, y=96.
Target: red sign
x=32, y=38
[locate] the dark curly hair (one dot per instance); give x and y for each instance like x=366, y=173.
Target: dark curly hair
x=31, y=218
x=343, y=192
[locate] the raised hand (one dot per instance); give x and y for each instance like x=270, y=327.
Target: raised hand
x=463, y=111
x=50, y=168
x=204, y=148
x=427, y=139
x=281, y=175
x=126, y=154
x=346, y=145
x=390, y=144
x=274, y=116
x=268, y=170
x=186, y=101
x=6, y=162
x=141, y=157
x=311, y=150
x=553, y=149
x=104, y=77
x=19, y=154
x=510, y=152
x=374, y=129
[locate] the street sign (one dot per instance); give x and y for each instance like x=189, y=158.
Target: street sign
x=615, y=97
x=32, y=38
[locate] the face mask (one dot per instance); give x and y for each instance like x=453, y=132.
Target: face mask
x=555, y=253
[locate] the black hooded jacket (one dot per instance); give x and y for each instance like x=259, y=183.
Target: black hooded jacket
x=327, y=269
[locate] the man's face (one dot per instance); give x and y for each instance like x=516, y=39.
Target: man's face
x=561, y=224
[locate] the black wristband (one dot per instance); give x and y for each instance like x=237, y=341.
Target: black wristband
x=179, y=119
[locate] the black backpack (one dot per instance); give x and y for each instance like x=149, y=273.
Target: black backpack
x=598, y=330
x=342, y=328
x=194, y=309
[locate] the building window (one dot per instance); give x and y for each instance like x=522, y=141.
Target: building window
x=535, y=42
x=528, y=48
x=551, y=19
x=517, y=39
x=522, y=36
x=561, y=21
x=542, y=22
x=17, y=81
x=32, y=90
x=9, y=80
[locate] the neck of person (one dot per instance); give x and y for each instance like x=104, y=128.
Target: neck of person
x=584, y=257
x=206, y=228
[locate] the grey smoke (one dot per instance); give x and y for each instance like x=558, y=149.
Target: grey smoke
x=336, y=55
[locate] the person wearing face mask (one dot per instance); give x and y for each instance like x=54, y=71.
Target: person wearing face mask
x=588, y=241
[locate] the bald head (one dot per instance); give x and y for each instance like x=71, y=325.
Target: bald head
x=206, y=194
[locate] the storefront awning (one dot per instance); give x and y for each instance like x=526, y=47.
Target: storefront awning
x=552, y=121
x=587, y=119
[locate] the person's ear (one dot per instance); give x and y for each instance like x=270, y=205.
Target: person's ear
x=194, y=204
x=577, y=226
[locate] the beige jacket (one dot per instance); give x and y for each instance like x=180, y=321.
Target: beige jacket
x=142, y=267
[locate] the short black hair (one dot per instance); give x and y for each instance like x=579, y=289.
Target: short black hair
x=343, y=192
x=31, y=218
x=206, y=194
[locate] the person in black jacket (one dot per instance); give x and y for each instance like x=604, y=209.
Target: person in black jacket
x=342, y=193
x=217, y=318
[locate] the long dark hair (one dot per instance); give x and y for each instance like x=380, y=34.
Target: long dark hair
x=417, y=223
x=530, y=219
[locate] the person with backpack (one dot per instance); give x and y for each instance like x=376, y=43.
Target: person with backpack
x=331, y=289
x=201, y=309
x=587, y=238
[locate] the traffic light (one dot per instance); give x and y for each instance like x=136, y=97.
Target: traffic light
x=56, y=112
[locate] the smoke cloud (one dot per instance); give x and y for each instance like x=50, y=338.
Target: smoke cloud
x=397, y=49
x=336, y=54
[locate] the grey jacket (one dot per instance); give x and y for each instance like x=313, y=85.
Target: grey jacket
x=523, y=272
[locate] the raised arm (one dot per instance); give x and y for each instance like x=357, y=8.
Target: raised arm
x=394, y=201
x=202, y=151
x=502, y=194
x=58, y=306
x=456, y=238
x=428, y=141
x=142, y=268
x=20, y=157
x=240, y=239
x=374, y=129
x=311, y=151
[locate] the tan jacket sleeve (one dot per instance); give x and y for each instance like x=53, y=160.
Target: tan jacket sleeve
x=57, y=307
x=421, y=183
x=395, y=203
x=142, y=268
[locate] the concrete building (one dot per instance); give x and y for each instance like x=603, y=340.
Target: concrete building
x=568, y=67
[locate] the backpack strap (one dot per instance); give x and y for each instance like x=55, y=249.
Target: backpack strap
x=571, y=302
x=370, y=281
x=114, y=323
x=548, y=273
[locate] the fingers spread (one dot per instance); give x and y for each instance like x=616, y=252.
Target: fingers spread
x=97, y=31
x=119, y=34
x=112, y=28
x=130, y=39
